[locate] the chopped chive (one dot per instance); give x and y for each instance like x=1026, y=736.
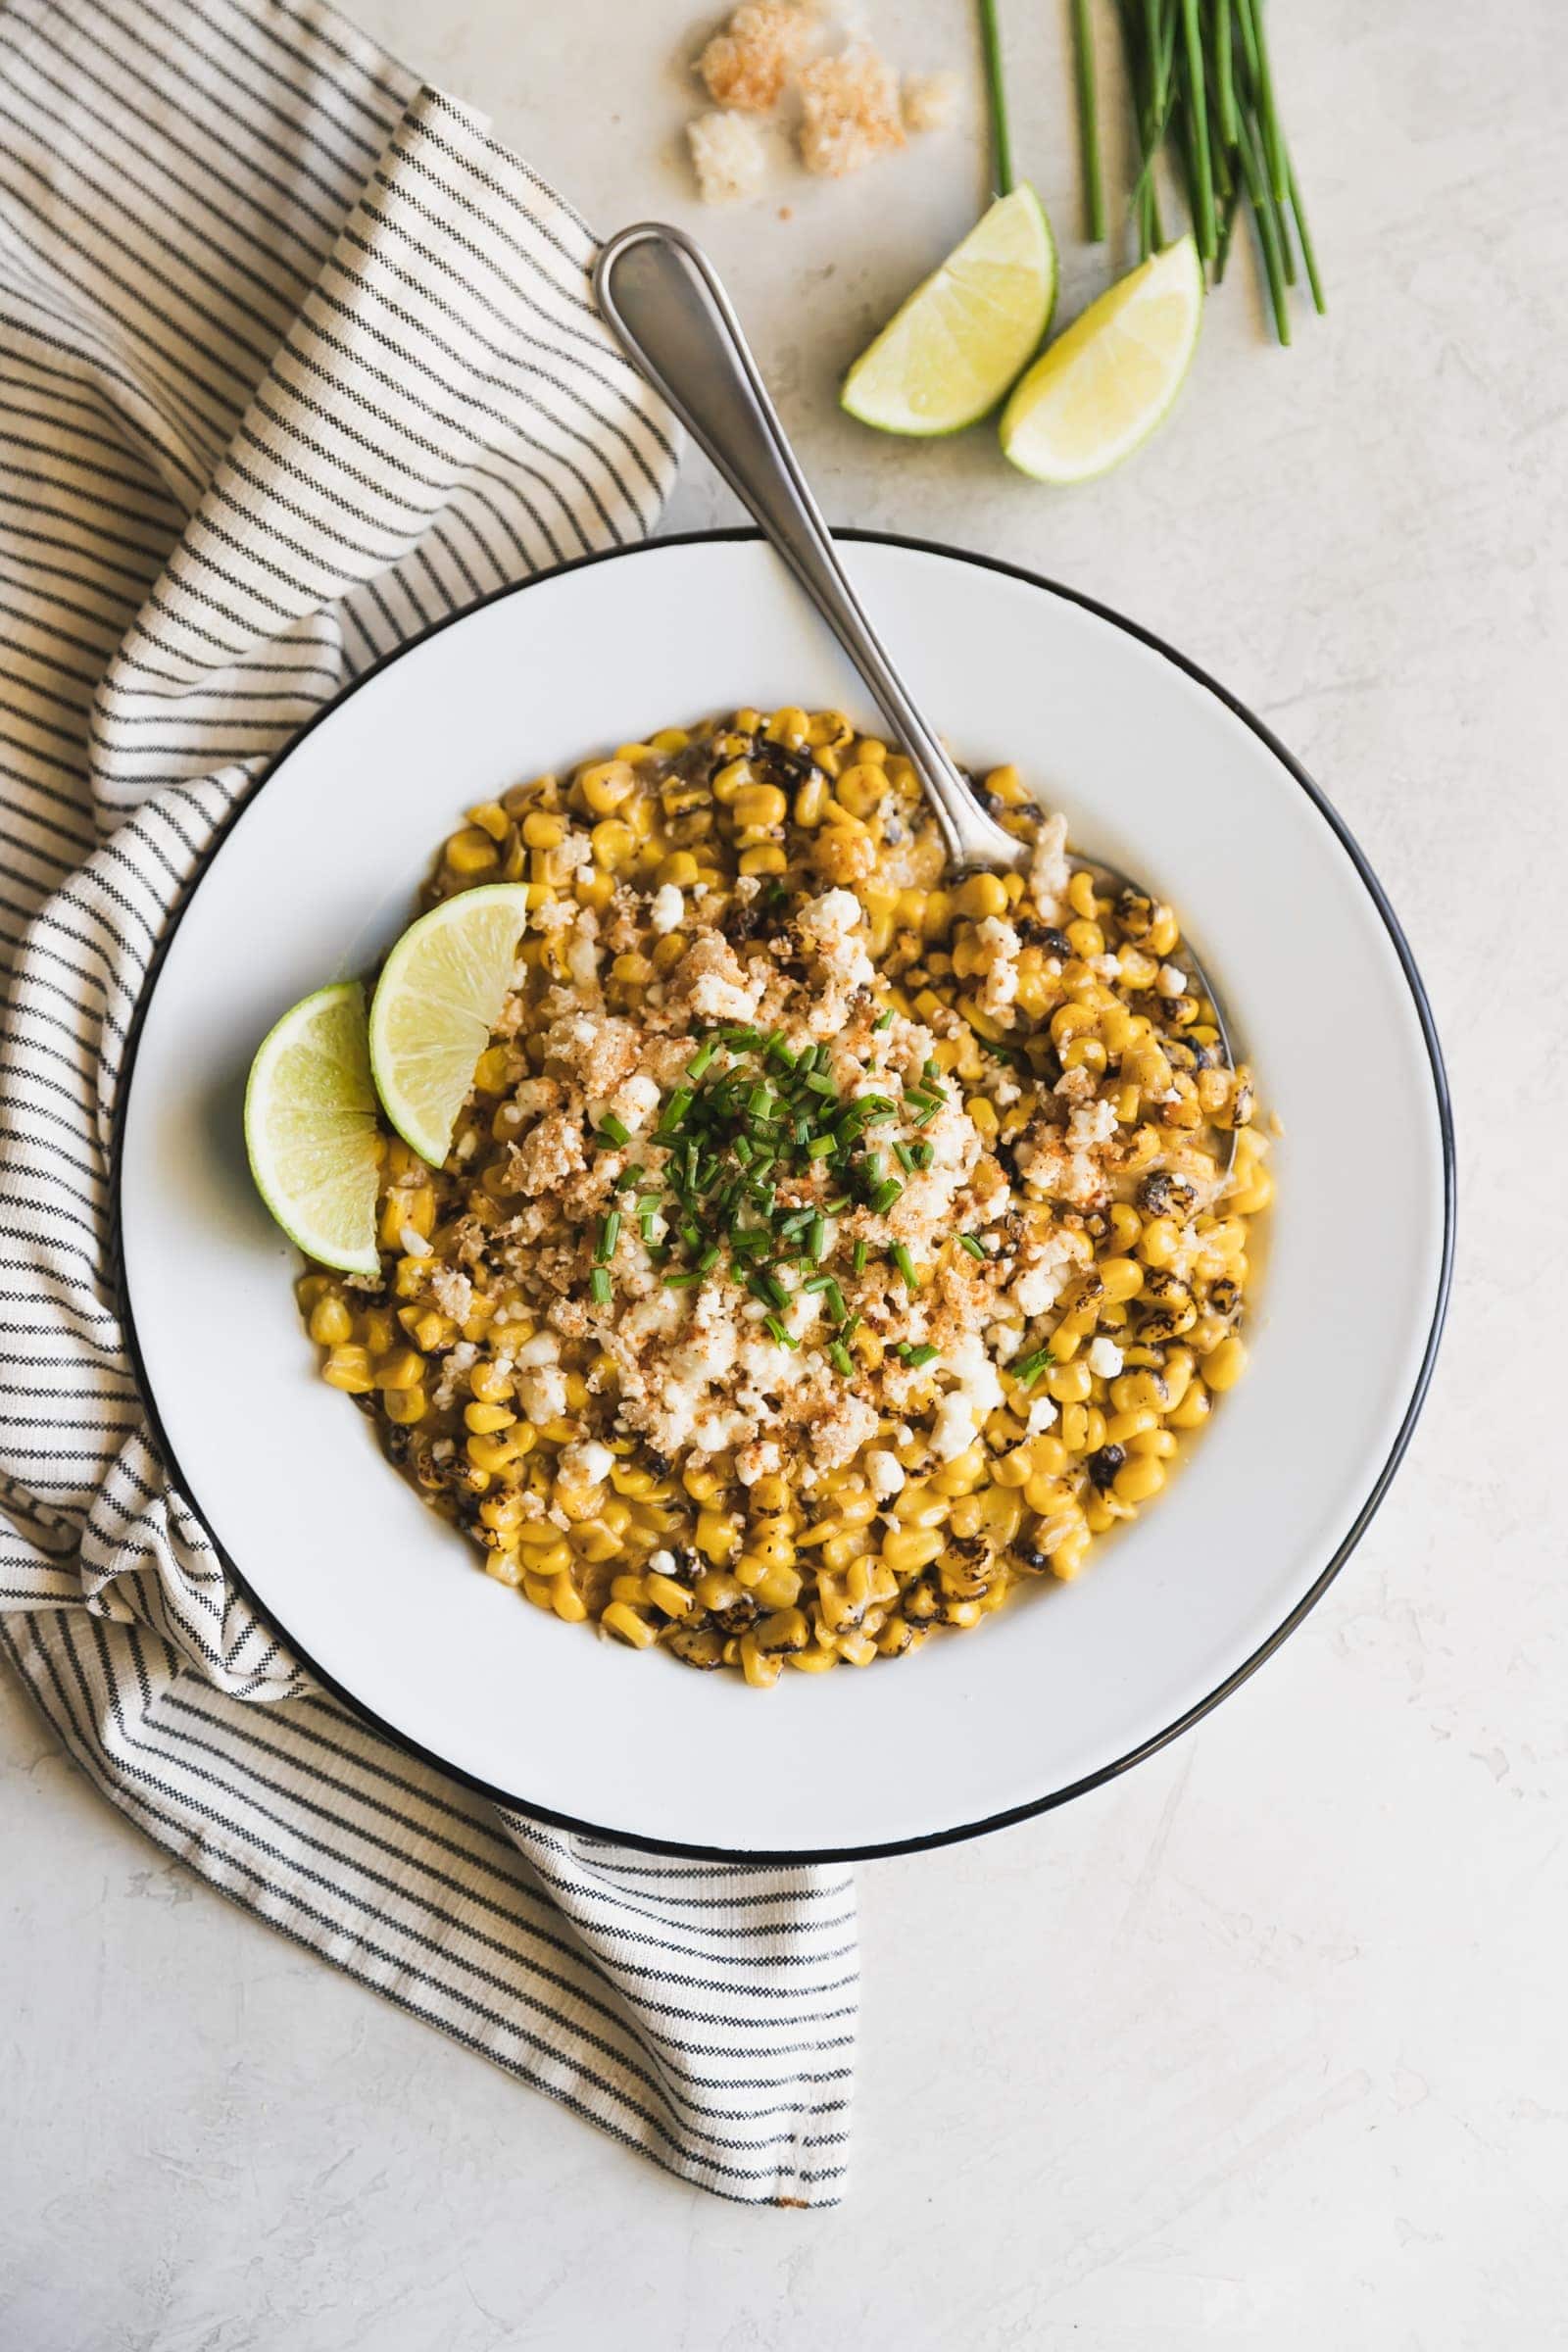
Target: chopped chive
x=928, y=1112
x=918, y=1357
x=708, y=1258
x=903, y=1155
x=884, y=1021
x=816, y=1237
x=674, y=1110
x=839, y=1356
x=614, y=1130
x=905, y=1265
x=702, y=1057
x=744, y=1150
x=931, y=1067
x=838, y=1202
x=741, y=1040
x=858, y=1257
x=972, y=1242
x=1028, y=1371
x=851, y=1325
x=820, y=1147
x=767, y=1285
x=681, y=1282
x=599, y=1285
x=609, y=1235
x=833, y=1298
x=779, y=1333
x=922, y=1154
x=883, y=1198
x=820, y=1082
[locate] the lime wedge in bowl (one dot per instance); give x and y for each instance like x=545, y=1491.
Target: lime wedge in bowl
x=436, y=1003
x=949, y=355
x=311, y=1128
x=1102, y=387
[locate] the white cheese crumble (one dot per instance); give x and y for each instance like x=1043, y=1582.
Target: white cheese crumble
x=1105, y=1358
x=667, y=910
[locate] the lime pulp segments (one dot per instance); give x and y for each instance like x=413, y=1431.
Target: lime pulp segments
x=311, y=1129
x=1106, y=383
x=948, y=356
x=436, y=1004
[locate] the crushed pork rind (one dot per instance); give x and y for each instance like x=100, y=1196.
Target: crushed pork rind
x=849, y=111
x=828, y=1247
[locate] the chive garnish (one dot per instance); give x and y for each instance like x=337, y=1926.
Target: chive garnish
x=702, y=1057
x=820, y=1147
x=1028, y=1371
x=972, y=1242
x=907, y=1267
x=609, y=1235
x=903, y=1155
x=612, y=1130
x=884, y=1021
x=883, y=1198
x=817, y=1238
x=917, y=1357
x=682, y=1281
x=838, y=1356
x=779, y=1333
x=599, y=1285
x=858, y=1257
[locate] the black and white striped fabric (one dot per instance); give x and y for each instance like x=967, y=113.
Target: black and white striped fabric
x=294, y=359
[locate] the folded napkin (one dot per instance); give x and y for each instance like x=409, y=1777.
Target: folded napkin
x=294, y=359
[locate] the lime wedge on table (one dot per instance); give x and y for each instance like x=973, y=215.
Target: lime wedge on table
x=949, y=354
x=311, y=1128
x=1103, y=385
x=436, y=1003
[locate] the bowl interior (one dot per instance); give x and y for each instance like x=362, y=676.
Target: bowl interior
x=1158, y=774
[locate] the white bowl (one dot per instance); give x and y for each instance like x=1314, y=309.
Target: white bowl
x=1160, y=772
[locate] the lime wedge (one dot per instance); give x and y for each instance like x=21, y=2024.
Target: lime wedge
x=311, y=1128
x=1102, y=387
x=949, y=354
x=436, y=1003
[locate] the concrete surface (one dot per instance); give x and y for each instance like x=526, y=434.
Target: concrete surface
x=1263, y=2047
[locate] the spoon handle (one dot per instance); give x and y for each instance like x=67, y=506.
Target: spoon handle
x=663, y=299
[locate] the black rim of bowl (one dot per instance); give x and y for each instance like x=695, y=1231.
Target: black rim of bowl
x=802, y=1856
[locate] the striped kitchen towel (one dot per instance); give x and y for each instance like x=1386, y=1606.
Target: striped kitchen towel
x=294, y=359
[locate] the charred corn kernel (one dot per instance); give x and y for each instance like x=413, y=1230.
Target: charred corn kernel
x=734, y=777
x=593, y=1540
x=812, y=1660
x=404, y=1406
x=1140, y=1477
x=783, y=1630
x=773, y=1545
x=760, y=1670
x=493, y=1454
x=625, y=1622
x=472, y=851
x=715, y=1590
x=1224, y=1366
x=404, y=1368
x=330, y=1322
x=426, y=1329
x=847, y=1546
x=770, y=1494
x=633, y=1590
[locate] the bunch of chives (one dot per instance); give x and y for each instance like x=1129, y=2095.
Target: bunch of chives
x=1202, y=95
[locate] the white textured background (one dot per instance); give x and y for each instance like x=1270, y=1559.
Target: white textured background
x=1265, y=2045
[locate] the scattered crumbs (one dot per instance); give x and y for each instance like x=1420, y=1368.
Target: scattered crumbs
x=728, y=157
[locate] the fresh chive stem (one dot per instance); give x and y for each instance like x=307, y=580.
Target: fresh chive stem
x=996, y=99
x=1196, y=109
x=1083, y=50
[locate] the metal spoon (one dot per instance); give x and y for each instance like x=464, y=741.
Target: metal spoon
x=663, y=299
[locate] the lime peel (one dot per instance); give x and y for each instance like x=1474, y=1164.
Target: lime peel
x=436, y=1004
